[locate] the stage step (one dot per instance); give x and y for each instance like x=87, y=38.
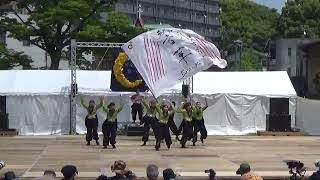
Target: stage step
x=9, y=132
x=284, y=133
x=135, y=130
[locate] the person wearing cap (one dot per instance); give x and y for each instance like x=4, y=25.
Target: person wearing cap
x=69, y=172
x=186, y=111
x=316, y=175
x=163, y=131
x=152, y=172
x=198, y=122
x=91, y=120
x=168, y=174
x=149, y=120
x=246, y=173
x=122, y=173
x=110, y=125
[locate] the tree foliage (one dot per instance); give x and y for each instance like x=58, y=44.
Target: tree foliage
x=10, y=59
x=300, y=18
x=51, y=24
x=249, y=22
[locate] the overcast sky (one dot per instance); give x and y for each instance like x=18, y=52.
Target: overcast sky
x=277, y=4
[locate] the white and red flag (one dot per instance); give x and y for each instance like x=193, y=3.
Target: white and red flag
x=166, y=57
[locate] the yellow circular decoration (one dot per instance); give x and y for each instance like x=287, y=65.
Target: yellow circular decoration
x=118, y=72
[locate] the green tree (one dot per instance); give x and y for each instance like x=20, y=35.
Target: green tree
x=10, y=59
x=250, y=61
x=249, y=22
x=51, y=24
x=300, y=18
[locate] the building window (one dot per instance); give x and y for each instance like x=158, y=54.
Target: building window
x=3, y=37
x=289, y=51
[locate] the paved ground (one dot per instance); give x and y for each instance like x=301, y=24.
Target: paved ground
x=29, y=156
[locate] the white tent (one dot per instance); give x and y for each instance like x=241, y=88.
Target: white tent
x=38, y=101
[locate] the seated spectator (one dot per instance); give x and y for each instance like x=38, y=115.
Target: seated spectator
x=9, y=175
x=152, y=172
x=168, y=174
x=316, y=175
x=102, y=177
x=49, y=173
x=246, y=173
x=69, y=172
x=119, y=167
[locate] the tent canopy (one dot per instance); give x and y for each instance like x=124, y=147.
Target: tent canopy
x=48, y=82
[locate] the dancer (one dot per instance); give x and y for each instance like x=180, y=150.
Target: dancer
x=91, y=120
x=136, y=107
x=187, y=125
x=198, y=122
x=172, y=124
x=110, y=125
x=149, y=120
x=162, y=131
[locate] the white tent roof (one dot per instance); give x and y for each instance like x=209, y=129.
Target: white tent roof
x=43, y=82
x=270, y=84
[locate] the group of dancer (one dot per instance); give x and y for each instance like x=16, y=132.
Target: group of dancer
x=159, y=116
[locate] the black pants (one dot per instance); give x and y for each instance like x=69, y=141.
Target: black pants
x=199, y=126
x=163, y=133
x=181, y=127
x=92, y=128
x=109, y=130
x=173, y=126
x=149, y=122
x=136, y=108
x=187, y=132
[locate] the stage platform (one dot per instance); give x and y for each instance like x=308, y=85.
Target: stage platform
x=29, y=156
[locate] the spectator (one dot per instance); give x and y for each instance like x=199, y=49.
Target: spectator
x=119, y=167
x=316, y=175
x=168, y=174
x=69, y=172
x=9, y=175
x=102, y=177
x=49, y=173
x=246, y=173
x=152, y=172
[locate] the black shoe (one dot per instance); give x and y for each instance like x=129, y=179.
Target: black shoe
x=168, y=146
x=202, y=141
x=194, y=144
x=183, y=146
x=144, y=144
x=88, y=143
x=113, y=146
x=157, y=148
x=177, y=138
x=105, y=147
x=97, y=142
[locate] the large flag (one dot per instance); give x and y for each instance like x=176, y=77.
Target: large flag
x=166, y=57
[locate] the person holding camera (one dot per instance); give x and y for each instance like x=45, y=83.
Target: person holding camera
x=316, y=175
x=122, y=173
x=246, y=173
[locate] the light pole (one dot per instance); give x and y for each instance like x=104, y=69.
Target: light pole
x=239, y=44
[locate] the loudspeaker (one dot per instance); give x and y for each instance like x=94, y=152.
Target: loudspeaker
x=3, y=109
x=185, y=90
x=278, y=122
x=279, y=106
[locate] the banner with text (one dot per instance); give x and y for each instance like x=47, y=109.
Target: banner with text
x=166, y=57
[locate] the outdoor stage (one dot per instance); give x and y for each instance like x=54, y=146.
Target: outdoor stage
x=29, y=156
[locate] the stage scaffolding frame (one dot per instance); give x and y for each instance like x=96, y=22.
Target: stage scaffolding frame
x=73, y=66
